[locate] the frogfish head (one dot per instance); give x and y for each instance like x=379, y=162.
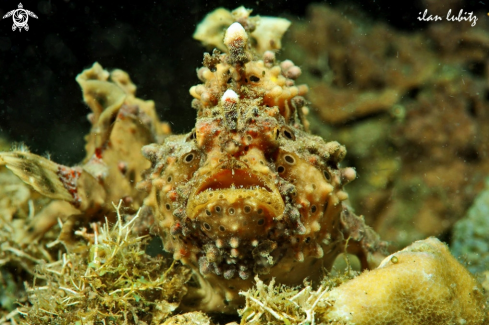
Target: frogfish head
x=248, y=191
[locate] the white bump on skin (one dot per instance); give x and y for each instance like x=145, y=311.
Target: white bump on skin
x=219, y=243
x=293, y=73
x=234, y=242
x=315, y=226
x=348, y=174
x=234, y=34
x=229, y=97
x=319, y=251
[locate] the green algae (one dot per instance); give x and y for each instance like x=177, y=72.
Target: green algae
x=470, y=243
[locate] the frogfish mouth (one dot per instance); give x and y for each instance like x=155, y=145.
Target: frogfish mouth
x=249, y=191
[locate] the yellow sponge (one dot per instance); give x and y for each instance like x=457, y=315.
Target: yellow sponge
x=422, y=284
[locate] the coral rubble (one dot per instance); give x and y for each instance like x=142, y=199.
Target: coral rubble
x=411, y=107
x=114, y=280
x=189, y=319
x=121, y=125
x=71, y=197
x=265, y=32
x=422, y=284
x=19, y=255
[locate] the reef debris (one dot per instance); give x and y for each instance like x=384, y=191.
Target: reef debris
x=265, y=32
x=114, y=280
x=190, y=318
x=31, y=217
x=121, y=125
x=421, y=284
x=411, y=108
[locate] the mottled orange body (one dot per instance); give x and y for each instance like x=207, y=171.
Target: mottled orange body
x=249, y=191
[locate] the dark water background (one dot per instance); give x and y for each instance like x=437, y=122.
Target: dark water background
x=40, y=102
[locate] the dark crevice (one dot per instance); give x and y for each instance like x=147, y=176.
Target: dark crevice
x=469, y=155
x=471, y=109
x=354, y=121
x=225, y=318
x=412, y=93
x=445, y=236
x=476, y=68
x=486, y=95
x=315, y=72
